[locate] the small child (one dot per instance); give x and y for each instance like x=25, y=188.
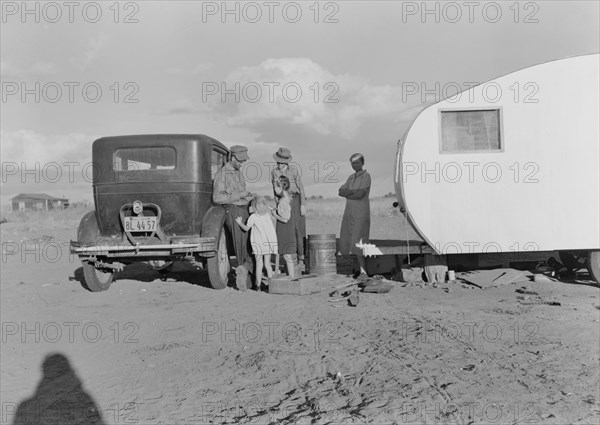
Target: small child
x=263, y=238
x=285, y=229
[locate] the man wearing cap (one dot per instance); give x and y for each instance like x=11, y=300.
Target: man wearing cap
x=283, y=157
x=229, y=191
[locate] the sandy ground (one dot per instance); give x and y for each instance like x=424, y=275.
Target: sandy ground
x=155, y=350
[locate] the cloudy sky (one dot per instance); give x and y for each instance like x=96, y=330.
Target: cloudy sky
x=324, y=79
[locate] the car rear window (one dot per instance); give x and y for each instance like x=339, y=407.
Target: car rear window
x=148, y=158
x=217, y=159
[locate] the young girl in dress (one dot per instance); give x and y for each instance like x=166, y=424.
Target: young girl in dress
x=285, y=229
x=263, y=238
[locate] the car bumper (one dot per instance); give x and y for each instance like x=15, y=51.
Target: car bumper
x=189, y=246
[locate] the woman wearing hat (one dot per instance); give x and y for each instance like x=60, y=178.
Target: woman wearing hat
x=283, y=157
x=357, y=215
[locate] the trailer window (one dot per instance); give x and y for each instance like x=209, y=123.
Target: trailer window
x=150, y=158
x=470, y=130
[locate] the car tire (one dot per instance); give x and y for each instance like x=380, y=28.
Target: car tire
x=96, y=280
x=218, y=265
x=594, y=265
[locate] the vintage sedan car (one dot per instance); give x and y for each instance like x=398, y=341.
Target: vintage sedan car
x=153, y=204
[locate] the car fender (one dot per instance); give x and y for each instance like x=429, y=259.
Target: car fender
x=213, y=221
x=88, y=232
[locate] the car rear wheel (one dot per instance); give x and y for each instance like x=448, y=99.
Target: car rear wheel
x=96, y=280
x=594, y=264
x=218, y=266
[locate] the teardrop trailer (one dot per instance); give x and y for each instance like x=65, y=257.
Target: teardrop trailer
x=153, y=204
x=502, y=171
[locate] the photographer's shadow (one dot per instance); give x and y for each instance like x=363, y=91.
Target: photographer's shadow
x=59, y=398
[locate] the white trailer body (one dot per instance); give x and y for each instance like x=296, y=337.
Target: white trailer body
x=510, y=165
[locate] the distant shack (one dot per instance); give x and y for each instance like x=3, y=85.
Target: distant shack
x=37, y=201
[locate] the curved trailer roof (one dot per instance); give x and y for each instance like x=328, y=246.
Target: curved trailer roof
x=509, y=165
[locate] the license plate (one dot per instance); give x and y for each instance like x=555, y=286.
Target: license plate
x=140, y=224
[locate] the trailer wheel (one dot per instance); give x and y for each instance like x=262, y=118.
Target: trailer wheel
x=594, y=264
x=573, y=260
x=96, y=280
x=218, y=266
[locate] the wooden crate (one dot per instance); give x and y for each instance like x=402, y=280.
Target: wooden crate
x=283, y=285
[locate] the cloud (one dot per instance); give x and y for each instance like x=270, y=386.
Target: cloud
x=320, y=116
x=56, y=164
x=37, y=69
x=42, y=69
x=323, y=118
x=30, y=147
x=184, y=106
x=190, y=72
x=92, y=50
x=409, y=114
x=10, y=70
x=298, y=92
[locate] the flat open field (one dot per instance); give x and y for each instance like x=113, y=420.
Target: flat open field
x=170, y=350
x=325, y=216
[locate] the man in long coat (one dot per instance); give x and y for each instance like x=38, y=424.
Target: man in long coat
x=356, y=222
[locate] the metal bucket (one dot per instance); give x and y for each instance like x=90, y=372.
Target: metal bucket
x=321, y=254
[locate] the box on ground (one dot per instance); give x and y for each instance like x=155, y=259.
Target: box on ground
x=305, y=285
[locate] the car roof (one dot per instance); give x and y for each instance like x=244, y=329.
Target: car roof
x=111, y=142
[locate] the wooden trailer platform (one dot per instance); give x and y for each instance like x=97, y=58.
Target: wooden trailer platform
x=395, y=247
x=383, y=255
